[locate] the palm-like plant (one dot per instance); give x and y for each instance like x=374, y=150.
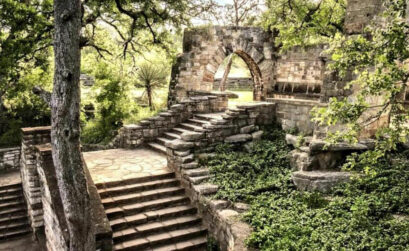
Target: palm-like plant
x=151, y=77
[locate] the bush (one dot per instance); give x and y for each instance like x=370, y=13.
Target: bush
x=112, y=107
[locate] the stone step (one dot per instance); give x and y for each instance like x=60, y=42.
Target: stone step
x=7, y=212
x=139, y=187
x=136, y=208
x=14, y=234
x=11, y=198
x=11, y=191
x=197, y=172
x=162, y=141
x=162, y=176
x=199, y=179
x=150, y=228
x=15, y=217
x=195, y=244
x=191, y=127
x=142, y=196
x=150, y=216
x=179, y=130
x=11, y=186
x=11, y=204
x=157, y=147
x=170, y=135
x=208, y=116
x=155, y=241
x=13, y=226
x=198, y=121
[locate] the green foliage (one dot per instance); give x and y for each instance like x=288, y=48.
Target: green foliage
x=243, y=175
x=303, y=22
x=112, y=106
x=369, y=213
x=379, y=60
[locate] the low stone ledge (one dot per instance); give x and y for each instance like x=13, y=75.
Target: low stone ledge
x=239, y=138
x=317, y=146
x=321, y=181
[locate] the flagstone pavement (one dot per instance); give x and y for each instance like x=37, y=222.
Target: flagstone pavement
x=122, y=164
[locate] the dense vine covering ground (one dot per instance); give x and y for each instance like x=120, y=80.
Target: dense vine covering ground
x=370, y=213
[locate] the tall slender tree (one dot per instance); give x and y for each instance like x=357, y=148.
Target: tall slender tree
x=65, y=123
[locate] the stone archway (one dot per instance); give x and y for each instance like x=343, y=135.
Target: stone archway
x=204, y=49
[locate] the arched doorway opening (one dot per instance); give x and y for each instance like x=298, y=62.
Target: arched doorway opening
x=239, y=74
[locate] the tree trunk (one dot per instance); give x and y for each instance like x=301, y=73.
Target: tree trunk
x=149, y=93
x=226, y=74
x=65, y=123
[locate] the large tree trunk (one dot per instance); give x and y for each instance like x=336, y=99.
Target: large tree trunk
x=65, y=122
x=226, y=74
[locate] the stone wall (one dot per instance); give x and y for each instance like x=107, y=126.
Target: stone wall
x=9, y=159
x=360, y=13
x=300, y=72
x=29, y=174
x=237, y=126
x=295, y=114
x=132, y=136
x=42, y=195
x=55, y=226
x=204, y=49
x=239, y=84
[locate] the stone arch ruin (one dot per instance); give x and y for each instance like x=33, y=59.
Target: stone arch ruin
x=204, y=49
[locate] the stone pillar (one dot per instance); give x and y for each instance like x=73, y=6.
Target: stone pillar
x=29, y=174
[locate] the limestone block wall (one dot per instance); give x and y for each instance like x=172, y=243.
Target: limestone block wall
x=235, y=84
x=300, y=71
x=29, y=174
x=360, y=13
x=295, y=114
x=237, y=126
x=55, y=227
x=204, y=49
x=9, y=159
x=132, y=136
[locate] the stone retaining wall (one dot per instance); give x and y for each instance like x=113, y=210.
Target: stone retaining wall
x=237, y=126
x=239, y=84
x=296, y=114
x=132, y=136
x=55, y=226
x=42, y=195
x=29, y=174
x=9, y=159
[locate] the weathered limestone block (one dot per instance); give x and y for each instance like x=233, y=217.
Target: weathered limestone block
x=319, y=180
x=239, y=138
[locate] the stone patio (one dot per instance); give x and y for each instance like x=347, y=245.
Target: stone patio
x=122, y=164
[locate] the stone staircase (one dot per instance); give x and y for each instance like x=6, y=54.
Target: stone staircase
x=191, y=125
x=152, y=213
x=13, y=212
